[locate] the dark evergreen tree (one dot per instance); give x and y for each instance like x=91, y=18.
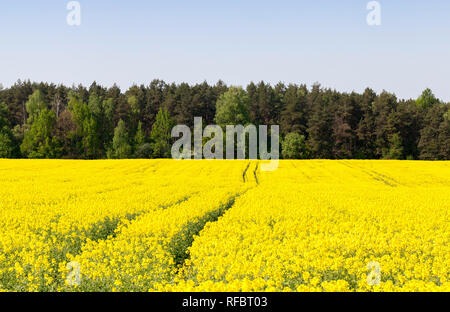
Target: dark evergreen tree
x=320, y=126
x=7, y=142
x=366, y=146
x=430, y=139
x=383, y=106
x=294, y=114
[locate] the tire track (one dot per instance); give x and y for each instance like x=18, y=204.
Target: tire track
x=102, y=230
x=244, y=174
x=183, y=240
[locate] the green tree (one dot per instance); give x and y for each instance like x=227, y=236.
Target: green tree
x=395, y=150
x=108, y=124
x=294, y=146
x=142, y=149
x=345, y=121
x=38, y=141
x=265, y=103
x=320, y=131
x=35, y=104
x=161, y=134
x=293, y=117
x=79, y=113
x=384, y=108
x=6, y=145
x=139, y=138
x=232, y=108
x=135, y=109
x=366, y=129
x=7, y=142
x=66, y=134
x=121, y=147
x=88, y=118
x=444, y=136
x=434, y=135
x=4, y=112
x=93, y=127
x=426, y=99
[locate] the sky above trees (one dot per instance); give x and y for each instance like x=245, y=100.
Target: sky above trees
x=297, y=41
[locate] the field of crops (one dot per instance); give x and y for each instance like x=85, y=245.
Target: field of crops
x=166, y=225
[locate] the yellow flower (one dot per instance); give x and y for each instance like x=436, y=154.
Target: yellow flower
x=164, y=225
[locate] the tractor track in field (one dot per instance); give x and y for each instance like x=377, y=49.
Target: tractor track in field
x=184, y=239
x=374, y=175
x=101, y=230
x=255, y=173
x=244, y=174
x=179, y=244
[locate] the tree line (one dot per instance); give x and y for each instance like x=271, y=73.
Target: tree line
x=42, y=120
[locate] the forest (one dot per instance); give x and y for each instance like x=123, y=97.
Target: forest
x=45, y=120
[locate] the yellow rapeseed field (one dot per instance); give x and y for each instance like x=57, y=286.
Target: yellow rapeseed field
x=166, y=225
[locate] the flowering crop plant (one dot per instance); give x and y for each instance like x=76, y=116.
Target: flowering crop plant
x=224, y=225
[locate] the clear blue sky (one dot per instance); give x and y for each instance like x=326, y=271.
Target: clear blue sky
x=238, y=41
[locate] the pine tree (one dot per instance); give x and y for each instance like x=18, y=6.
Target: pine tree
x=444, y=137
x=344, y=125
x=383, y=106
x=161, y=134
x=6, y=137
x=320, y=127
x=366, y=129
x=430, y=142
x=265, y=103
x=293, y=116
